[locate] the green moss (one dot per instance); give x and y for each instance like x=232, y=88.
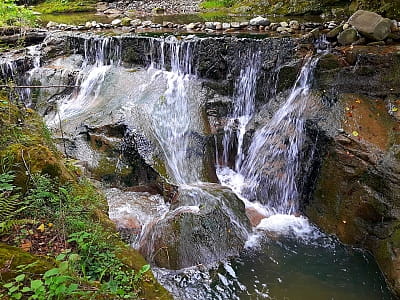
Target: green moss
x=160, y=167
x=73, y=205
x=13, y=257
x=212, y=4
x=65, y=6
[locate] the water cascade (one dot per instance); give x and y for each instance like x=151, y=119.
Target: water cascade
x=271, y=169
x=171, y=116
x=243, y=108
x=99, y=56
x=196, y=238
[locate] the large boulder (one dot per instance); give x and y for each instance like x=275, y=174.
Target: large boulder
x=371, y=25
x=206, y=225
x=348, y=37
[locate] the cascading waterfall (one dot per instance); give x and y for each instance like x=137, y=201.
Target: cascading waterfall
x=100, y=54
x=170, y=117
x=272, y=166
x=243, y=108
x=269, y=172
x=160, y=104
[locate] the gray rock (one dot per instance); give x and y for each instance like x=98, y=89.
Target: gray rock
x=190, y=26
x=136, y=22
x=51, y=24
x=335, y=32
x=210, y=25
x=284, y=24
x=167, y=24
x=112, y=11
x=281, y=29
x=226, y=26
x=218, y=25
x=258, y=21
x=348, y=37
x=147, y=23
x=235, y=24
x=244, y=24
x=116, y=22
x=371, y=25
x=198, y=235
x=294, y=25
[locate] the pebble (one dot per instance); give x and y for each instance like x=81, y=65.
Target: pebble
x=226, y=26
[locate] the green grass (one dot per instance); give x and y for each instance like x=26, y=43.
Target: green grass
x=65, y=6
x=213, y=4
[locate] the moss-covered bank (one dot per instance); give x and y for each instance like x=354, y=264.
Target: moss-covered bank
x=58, y=212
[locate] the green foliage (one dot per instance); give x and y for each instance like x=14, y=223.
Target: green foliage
x=14, y=15
x=72, y=215
x=217, y=4
x=55, y=283
x=65, y=6
x=62, y=282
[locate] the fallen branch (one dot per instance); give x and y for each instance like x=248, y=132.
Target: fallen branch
x=37, y=86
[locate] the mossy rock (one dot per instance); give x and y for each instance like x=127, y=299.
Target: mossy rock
x=37, y=159
x=150, y=288
x=12, y=257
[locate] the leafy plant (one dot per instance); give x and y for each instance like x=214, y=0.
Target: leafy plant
x=12, y=14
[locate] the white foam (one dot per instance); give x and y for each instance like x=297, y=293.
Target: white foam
x=288, y=225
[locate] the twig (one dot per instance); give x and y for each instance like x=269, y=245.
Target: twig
x=26, y=167
x=62, y=134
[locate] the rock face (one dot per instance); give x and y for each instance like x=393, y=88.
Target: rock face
x=371, y=25
x=356, y=196
x=208, y=225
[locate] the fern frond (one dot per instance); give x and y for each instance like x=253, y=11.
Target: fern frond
x=7, y=225
x=10, y=206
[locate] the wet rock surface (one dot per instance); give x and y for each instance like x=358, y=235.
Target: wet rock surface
x=205, y=225
x=356, y=194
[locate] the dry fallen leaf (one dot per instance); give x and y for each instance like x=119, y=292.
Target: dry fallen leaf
x=41, y=228
x=26, y=246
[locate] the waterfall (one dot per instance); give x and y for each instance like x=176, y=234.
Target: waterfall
x=272, y=166
x=243, y=108
x=100, y=54
x=270, y=171
x=171, y=118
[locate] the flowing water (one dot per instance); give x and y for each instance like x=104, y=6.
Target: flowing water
x=285, y=257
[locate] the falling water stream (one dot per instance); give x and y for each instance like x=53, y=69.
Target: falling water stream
x=285, y=256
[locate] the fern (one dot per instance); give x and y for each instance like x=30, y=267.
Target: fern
x=7, y=225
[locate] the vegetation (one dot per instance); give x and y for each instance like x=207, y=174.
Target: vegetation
x=65, y=6
x=13, y=15
x=387, y=8
x=59, y=241
x=212, y=4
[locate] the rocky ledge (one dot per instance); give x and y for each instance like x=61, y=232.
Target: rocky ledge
x=362, y=28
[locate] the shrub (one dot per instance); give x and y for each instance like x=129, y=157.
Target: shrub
x=13, y=15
